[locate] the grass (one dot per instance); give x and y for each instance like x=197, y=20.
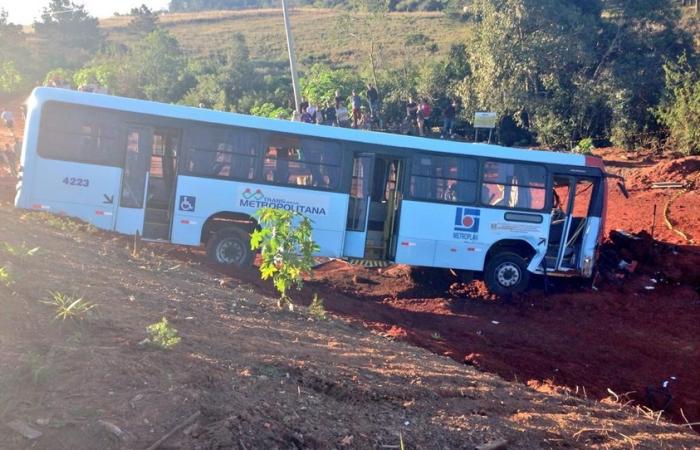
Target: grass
x=5, y=277
x=316, y=308
x=21, y=250
x=315, y=35
x=69, y=307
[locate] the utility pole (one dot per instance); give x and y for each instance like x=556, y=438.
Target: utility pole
x=292, y=56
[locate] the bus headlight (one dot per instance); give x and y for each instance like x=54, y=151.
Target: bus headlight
x=587, y=268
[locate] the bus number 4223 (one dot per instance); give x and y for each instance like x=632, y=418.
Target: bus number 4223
x=71, y=181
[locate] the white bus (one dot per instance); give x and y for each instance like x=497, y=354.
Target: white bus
x=194, y=176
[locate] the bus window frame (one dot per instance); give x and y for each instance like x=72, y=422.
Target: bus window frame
x=409, y=173
x=342, y=185
x=188, y=129
x=545, y=187
x=119, y=136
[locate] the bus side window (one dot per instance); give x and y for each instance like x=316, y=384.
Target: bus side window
x=513, y=185
x=81, y=134
x=221, y=152
x=444, y=178
x=302, y=162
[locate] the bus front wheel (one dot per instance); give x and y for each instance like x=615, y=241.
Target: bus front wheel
x=230, y=246
x=506, y=273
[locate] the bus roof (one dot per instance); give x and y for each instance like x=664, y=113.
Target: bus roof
x=43, y=94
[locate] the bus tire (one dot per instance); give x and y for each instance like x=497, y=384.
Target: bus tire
x=506, y=273
x=230, y=246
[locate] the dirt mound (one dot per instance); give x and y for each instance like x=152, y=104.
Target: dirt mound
x=684, y=170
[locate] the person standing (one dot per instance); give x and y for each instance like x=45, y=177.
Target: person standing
x=356, y=109
x=422, y=115
x=449, y=119
x=320, y=116
x=329, y=115
x=411, y=115
x=7, y=118
x=338, y=99
x=342, y=116
x=373, y=99
x=427, y=111
x=305, y=116
x=313, y=111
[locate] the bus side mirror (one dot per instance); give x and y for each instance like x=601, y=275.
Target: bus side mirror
x=623, y=189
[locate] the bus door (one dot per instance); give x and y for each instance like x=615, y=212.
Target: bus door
x=373, y=208
x=161, y=184
x=571, y=225
x=148, y=182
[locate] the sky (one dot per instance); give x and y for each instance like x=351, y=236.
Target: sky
x=25, y=11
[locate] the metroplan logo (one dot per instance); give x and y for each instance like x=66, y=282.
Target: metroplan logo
x=467, y=220
x=249, y=194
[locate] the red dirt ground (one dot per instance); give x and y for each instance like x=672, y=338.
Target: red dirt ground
x=624, y=338
x=250, y=376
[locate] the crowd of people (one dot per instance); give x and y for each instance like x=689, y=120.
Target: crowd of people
x=353, y=111
x=363, y=113
x=337, y=114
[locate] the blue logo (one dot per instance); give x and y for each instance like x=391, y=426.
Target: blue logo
x=187, y=203
x=467, y=220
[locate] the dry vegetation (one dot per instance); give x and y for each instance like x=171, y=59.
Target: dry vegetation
x=315, y=34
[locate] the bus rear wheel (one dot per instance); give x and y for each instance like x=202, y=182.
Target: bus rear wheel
x=231, y=247
x=506, y=273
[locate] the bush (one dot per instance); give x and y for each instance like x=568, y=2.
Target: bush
x=317, y=309
x=318, y=86
x=584, y=146
x=286, y=247
x=269, y=110
x=680, y=110
x=162, y=334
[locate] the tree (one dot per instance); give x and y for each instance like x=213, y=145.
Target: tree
x=12, y=38
x=639, y=36
x=680, y=109
x=209, y=92
x=237, y=75
x=14, y=64
x=143, y=21
x=565, y=70
x=160, y=67
x=528, y=59
x=10, y=78
x=269, y=110
x=286, y=248
x=68, y=34
x=366, y=25
x=319, y=84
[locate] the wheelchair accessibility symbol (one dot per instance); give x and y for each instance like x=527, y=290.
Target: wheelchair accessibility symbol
x=187, y=203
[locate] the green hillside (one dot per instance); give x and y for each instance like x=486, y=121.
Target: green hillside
x=316, y=35
x=556, y=72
